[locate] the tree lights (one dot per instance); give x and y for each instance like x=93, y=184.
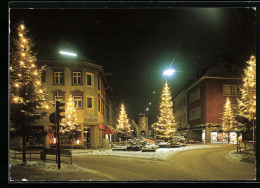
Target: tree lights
x=228, y=117
x=70, y=121
x=247, y=103
x=166, y=125
x=26, y=90
x=123, y=127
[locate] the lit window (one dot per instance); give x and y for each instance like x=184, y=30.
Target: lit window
x=76, y=78
x=58, y=78
x=77, y=101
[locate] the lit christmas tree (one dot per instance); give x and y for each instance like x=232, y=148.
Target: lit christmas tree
x=70, y=121
x=228, y=118
x=166, y=125
x=123, y=127
x=247, y=103
x=27, y=94
x=68, y=124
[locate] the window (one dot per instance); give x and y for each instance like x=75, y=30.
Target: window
x=230, y=90
x=195, y=95
x=99, y=103
x=76, y=78
x=90, y=100
x=90, y=79
x=58, y=78
x=77, y=101
x=195, y=113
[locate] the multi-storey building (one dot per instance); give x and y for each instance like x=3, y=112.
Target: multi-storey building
x=180, y=111
x=199, y=106
x=92, y=96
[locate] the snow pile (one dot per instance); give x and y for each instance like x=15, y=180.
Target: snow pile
x=160, y=154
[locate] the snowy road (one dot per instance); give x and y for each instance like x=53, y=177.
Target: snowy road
x=209, y=163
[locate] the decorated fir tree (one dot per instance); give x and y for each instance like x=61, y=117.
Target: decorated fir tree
x=166, y=125
x=27, y=94
x=228, y=118
x=247, y=103
x=123, y=127
x=68, y=124
x=70, y=121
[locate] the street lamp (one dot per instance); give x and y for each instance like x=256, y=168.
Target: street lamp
x=68, y=53
x=168, y=72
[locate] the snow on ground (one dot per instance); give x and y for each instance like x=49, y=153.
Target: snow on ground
x=160, y=154
x=242, y=156
x=40, y=171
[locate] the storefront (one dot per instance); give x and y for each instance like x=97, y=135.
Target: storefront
x=72, y=138
x=222, y=137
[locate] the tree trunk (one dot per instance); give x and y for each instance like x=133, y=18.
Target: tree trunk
x=228, y=137
x=24, y=142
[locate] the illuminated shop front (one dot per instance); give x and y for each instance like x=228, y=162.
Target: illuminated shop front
x=218, y=136
x=66, y=139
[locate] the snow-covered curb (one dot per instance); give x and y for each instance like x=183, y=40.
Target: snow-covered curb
x=160, y=154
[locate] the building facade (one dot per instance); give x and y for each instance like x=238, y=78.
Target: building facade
x=92, y=96
x=199, y=107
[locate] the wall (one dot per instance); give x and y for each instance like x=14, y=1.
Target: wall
x=215, y=99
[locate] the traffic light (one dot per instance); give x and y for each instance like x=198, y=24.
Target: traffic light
x=59, y=110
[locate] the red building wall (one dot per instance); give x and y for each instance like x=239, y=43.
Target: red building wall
x=215, y=99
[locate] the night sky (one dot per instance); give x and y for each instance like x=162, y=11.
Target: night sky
x=137, y=45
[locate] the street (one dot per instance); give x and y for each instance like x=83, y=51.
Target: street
x=202, y=164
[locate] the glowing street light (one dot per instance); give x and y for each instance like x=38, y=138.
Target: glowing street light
x=168, y=72
x=67, y=53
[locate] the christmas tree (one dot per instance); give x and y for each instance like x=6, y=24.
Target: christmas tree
x=166, y=125
x=228, y=118
x=123, y=126
x=27, y=94
x=68, y=124
x=247, y=103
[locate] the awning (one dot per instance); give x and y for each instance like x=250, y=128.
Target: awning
x=101, y=126
x=108, y=130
